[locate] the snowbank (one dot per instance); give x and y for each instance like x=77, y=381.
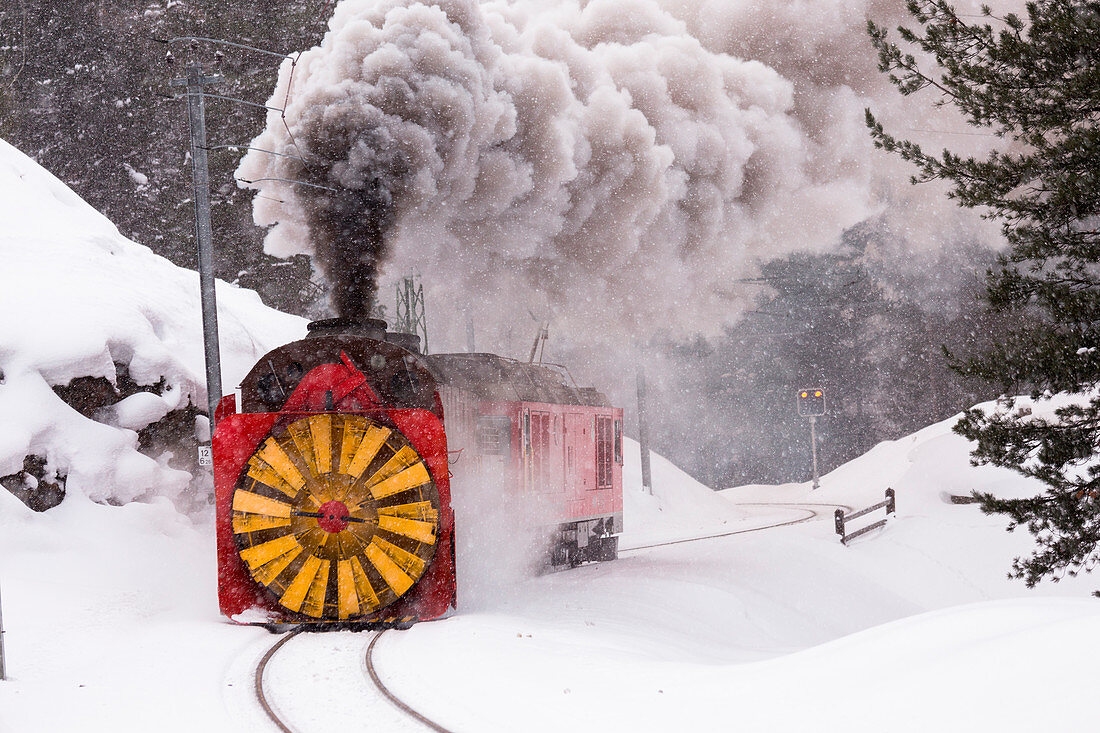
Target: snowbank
x=102, y=340
x=679, y=506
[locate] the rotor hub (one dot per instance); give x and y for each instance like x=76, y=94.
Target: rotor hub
x=334, y=517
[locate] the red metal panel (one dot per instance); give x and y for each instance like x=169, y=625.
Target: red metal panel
x=235, y=440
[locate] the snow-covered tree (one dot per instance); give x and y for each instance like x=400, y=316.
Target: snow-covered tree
x=1035, y=82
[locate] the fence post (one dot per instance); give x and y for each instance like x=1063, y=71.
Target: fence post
x=838, y=521
x=3, y=669
x=891, y=507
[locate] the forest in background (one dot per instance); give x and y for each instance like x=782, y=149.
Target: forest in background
x=96, y=109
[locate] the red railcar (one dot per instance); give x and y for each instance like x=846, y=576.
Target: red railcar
x=332, y=484
x=525, y=427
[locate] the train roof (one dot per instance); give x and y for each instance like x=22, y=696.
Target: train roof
x=499, y=379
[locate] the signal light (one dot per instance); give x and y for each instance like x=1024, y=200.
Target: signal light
x=811, y=402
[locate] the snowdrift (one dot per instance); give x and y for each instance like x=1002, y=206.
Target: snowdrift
x=101, y=350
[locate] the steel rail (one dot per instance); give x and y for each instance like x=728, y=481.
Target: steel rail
x=260, y=678
x=396, y=701
x=799, y=505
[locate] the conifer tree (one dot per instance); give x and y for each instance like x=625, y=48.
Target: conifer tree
x=1034, y=82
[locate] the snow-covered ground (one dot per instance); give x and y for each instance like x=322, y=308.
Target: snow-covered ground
x=111, y=617
x=112, y=624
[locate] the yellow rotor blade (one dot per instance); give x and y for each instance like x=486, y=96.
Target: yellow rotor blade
x=405, y=560
x=273, y=455
x=268, y=551
x=372, y=441
x=394, y=576
x=419, y=531
x=367, y=597
x=295, y=594
x=320, y=427
x=354, y=430
x=400, y=460
x=346, y=593
x=246, y=501
x=421, y=510
x=245, y=523
x=315, y=599
x=415, y=475
x=265, y=474
x=299, y=432
x=268, y=572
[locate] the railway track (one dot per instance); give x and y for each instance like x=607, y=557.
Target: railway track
x=813, y=514
x=429, y=724
x=260, y=695
x=372, y=672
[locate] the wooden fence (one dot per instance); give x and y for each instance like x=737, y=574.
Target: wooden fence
x=841, y=519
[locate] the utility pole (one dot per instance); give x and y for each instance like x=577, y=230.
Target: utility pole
x=200, y=178
x=643, y=434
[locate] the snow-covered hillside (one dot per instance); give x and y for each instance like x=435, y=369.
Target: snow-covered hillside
x=101, y=349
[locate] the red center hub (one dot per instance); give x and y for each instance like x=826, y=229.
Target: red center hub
x=334, y=516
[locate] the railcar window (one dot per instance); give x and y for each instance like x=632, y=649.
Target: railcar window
x=619, y=442
x=603, y=452
x=527, y=433
x=542, y=451
x=494, y=435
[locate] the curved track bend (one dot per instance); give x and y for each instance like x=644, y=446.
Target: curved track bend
x=813, y=514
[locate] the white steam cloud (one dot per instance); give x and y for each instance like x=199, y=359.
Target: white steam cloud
x=611, y=164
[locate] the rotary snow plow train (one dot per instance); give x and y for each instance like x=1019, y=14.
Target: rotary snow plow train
x=335, y=462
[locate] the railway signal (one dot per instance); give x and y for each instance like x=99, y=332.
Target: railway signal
x=811, y=404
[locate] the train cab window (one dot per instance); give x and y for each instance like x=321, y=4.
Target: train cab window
x=604, y=455
x=294, y=373
x=274, y=388
x=271, y=392
x=404, y=387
